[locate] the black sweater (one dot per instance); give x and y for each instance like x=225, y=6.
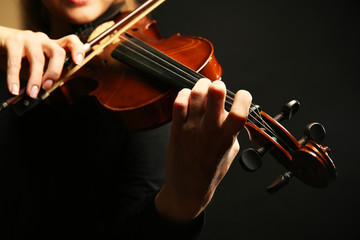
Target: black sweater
x=68, y=171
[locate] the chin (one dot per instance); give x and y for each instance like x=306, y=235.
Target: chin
x=83, y=16
x=79, y=21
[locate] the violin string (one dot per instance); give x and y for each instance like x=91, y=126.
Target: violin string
x=192, y=80
x=190, y=77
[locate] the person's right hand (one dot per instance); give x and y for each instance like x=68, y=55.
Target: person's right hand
x=45, y=56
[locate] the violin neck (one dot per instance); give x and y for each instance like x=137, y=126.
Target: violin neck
x=149, y=60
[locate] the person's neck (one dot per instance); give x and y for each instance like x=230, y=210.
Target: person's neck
x=59, y=28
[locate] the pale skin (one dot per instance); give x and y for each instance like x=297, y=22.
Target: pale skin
x=203, y=139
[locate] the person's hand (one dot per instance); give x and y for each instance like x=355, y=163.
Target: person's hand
x=45, y=56
x=203, y=143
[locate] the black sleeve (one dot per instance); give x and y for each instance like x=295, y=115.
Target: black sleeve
x=136, y=179
x=143, y=222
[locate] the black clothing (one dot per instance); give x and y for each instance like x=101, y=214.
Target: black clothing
x=71, y=172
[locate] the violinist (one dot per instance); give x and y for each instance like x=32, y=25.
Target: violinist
x=72, y=171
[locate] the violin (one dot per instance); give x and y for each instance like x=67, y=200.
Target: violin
x=134, y=75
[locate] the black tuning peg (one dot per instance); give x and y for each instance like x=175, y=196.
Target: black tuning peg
x=279, y=182
x=288, y=110
x=250, y=159
x=315, y=132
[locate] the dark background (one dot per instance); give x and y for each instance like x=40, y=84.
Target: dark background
x=279, y=51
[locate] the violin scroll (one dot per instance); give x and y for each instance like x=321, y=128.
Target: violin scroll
x=305, y=159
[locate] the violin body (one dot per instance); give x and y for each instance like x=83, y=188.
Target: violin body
x=135, y=99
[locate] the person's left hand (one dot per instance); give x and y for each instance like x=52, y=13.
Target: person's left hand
x=203, y=143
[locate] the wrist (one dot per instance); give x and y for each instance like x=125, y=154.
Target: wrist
x=180, y=208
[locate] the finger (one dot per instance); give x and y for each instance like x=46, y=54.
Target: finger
x=198, y=100
x=238, y=114
x=56, y=56
x=214, y=111
x=15, y=53
x=180, y=109
x=75, y=46
x=36, y=59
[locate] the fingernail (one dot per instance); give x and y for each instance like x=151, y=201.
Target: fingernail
x=79, y=58
x=34, y=91
x=15, y=89
x=47, y=84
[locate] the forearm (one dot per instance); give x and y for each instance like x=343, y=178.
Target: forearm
x=181, y=207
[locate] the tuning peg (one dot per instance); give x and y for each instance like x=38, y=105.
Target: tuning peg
x=315, y=132
x=250, y=159
x=279, y=182
x=288, y=110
